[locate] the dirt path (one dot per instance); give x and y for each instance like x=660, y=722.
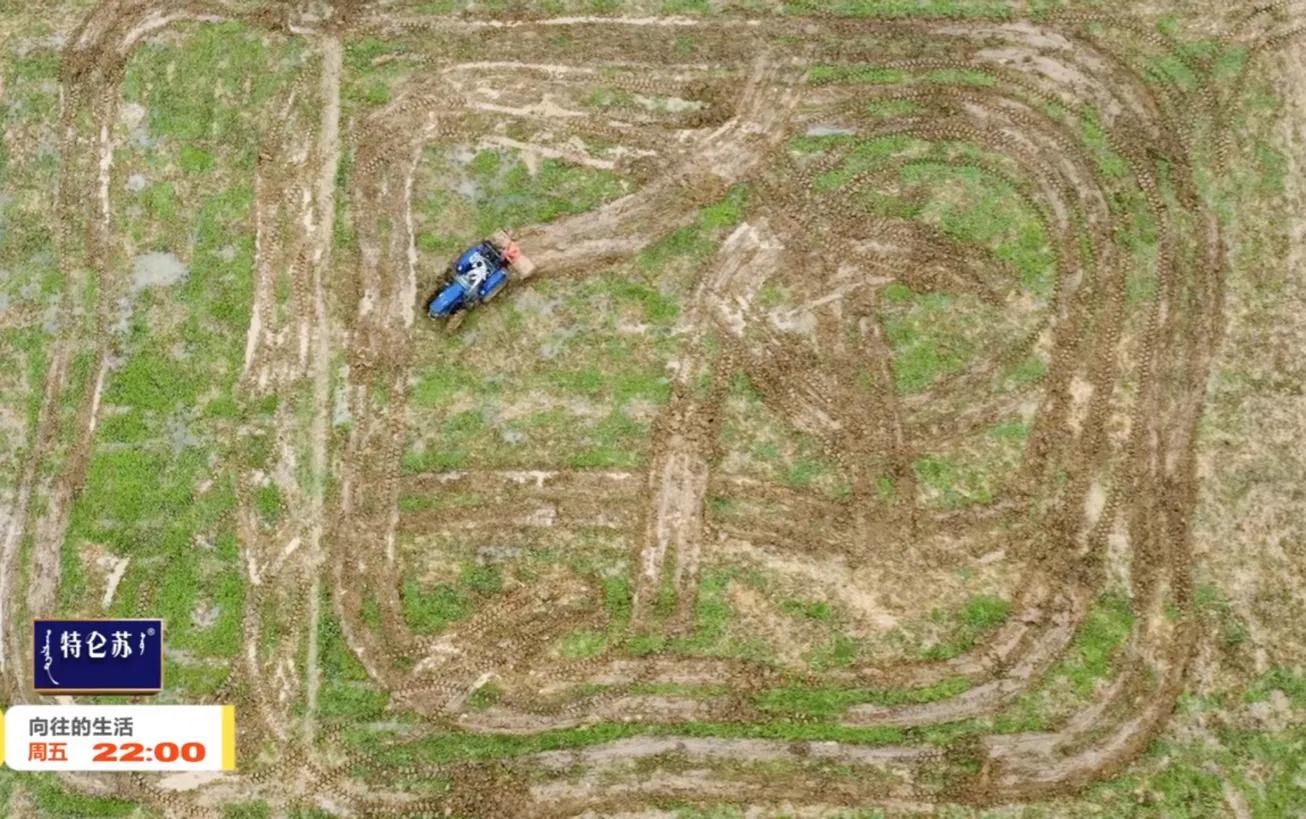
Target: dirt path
x=11, y=651
x=324, y=224
x=679, y=474
x=744, y=750
x=1294, y=56
x=704, y=171
x=287, y=353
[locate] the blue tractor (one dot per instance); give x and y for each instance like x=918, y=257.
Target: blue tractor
x=477, y=276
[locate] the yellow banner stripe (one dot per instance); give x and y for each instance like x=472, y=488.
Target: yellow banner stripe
x=228, y=737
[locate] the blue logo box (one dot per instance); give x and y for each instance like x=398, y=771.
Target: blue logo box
x=97, y=656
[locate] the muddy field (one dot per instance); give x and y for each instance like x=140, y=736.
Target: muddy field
x=906, y=416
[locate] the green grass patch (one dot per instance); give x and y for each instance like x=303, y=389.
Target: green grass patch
x=185, y=104
x=892, y=109
x=1170, y=69
x=159, y=486
x=954, y=482
x=865, y=154
x=1010, y=431
x=507, y=195
x=416, y=503
x=484, y=697
x=840, y=651
x=1187, y=777
x=686, y=7
x=1291, y=681
x=617, y=597
x=881, y=75
x=657, y=306
x=967, y=202
x=438, y=385
x=948, y=9
x=616, y=442
x=269, y=503
x=584, y=643
x=980, y=616
x=832, y=702
x=1214, y=607
x=977, y=207
x=700, y=239
x=803, y=472
x=1274, y=169
x=346, y=693
x=672, y=689
x=154, y=381
x=31, y=87
x=1089, y=660
x=431, y=610
x=817, y=610
x=604, y=98
x=1229, y=64
x=712, y=634
x=925, y=336
x=51, y=799
x=1111, y=163
x=361, y=53
x=713, y=612
x=1026, y=372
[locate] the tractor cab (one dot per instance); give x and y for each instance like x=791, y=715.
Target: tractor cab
x=476, y=265
x=477, y=276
